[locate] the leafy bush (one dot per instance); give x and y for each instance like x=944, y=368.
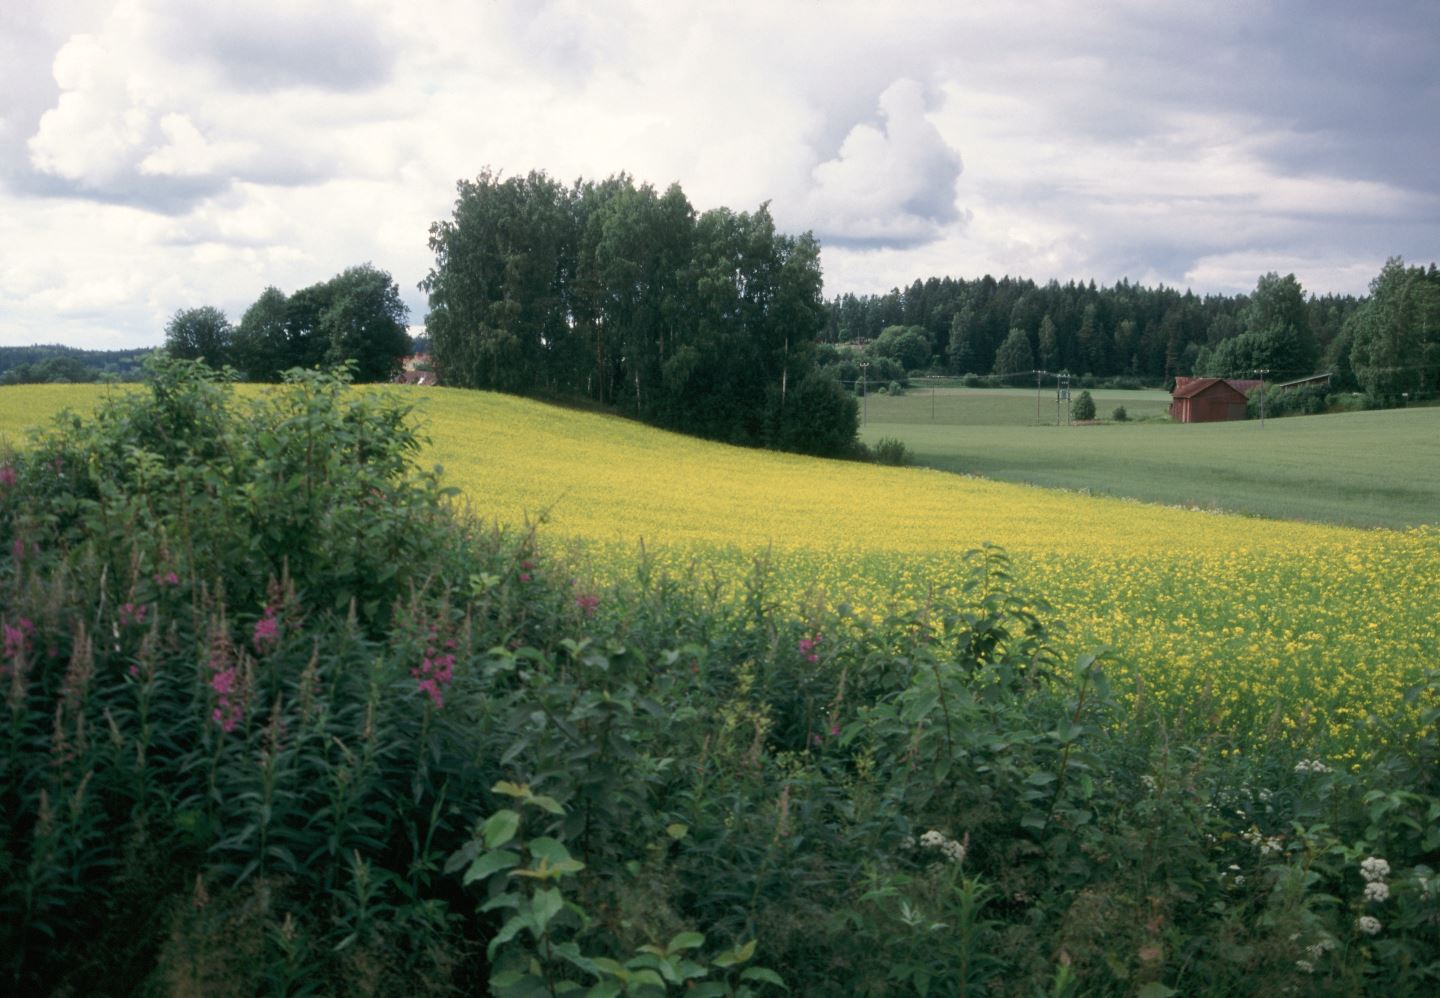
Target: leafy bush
x=1083, y=408
x=1120, y=415
x=889, y=450
x=1304, y=401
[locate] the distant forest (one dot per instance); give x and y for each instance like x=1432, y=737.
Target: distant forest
x=56, y=364
x=1386, y=344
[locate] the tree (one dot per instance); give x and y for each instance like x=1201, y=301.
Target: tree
x=1084, y=406
x=1279, y=320
x=1014, y=354
x=1049, y=343
x=364, y=323
x=908, y=345
x=199, y=334
x=1395, y=336
x=262, y=347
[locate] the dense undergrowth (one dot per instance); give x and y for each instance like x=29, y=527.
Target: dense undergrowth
x=277, y=720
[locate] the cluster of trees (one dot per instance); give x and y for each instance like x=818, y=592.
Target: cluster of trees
x=357, y=316
x=989, y=326
x=1391, y=345
x=40, y=365
x=621, y=294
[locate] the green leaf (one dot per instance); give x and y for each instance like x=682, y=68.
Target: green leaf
x=545, y=905
x=677, y=831
x=684, y=941
x=707, y=989
x=510, y=789
x=500, y=828
x=764, y=974
x=739, y=954
x=488, y=863
x=551, y=850
x=1157, y=990
x=546, y=804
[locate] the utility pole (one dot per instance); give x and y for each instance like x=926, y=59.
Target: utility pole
x=864, y=393
x=1037, y=397
x=1262, y=397
x=1062, y=396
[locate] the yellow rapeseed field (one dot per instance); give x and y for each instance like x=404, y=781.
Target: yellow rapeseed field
x=1255, y=629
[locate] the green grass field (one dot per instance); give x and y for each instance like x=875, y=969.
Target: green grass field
x=1366, y=469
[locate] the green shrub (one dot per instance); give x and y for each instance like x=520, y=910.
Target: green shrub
x=1083, y=408
x=1120, y=415
x=889, y=450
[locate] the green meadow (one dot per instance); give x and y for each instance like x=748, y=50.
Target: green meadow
x=1364, y=469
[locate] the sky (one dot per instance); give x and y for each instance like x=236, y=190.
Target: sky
x=157, y=155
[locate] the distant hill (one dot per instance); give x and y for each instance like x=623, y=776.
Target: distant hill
x=46, y=364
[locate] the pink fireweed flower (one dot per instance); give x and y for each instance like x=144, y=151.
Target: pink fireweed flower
x=8, y=478
x=167, y=579
x=17, y=638
x=227, y=712
x=808, y=648
x=588, y=604
x=267, y=631
x=131, y=613
x=433, y=675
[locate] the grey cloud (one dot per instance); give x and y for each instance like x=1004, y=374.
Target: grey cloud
x=323, y=47
x=892, y=182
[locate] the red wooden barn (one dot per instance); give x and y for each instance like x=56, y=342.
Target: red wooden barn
x=1207, y=400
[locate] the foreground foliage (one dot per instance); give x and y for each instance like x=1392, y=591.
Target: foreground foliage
x=226, y=772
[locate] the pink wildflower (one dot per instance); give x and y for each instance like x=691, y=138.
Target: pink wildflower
x=808, y=648
x=17, y=638
x=267, y=632
x=524, y=576
x=167, y=579
x=7, y=476
x=433, y=675
x=588, y=604
x=131, y=613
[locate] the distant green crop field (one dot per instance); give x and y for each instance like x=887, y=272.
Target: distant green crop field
x=1365, y=469
x=950, y=406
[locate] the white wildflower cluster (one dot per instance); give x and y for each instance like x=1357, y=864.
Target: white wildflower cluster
x=1311, y=766
x=1317, y=950
x=1375, y=870
x=949, y=848
x=1305, y=966
x=1368, y=925
x=1267, y=844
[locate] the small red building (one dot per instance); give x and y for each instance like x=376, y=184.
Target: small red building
x=1207, y=400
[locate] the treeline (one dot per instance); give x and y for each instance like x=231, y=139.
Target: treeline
x=608, y=291
x=41, y=365
x=989, y=326
x=355, y=317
